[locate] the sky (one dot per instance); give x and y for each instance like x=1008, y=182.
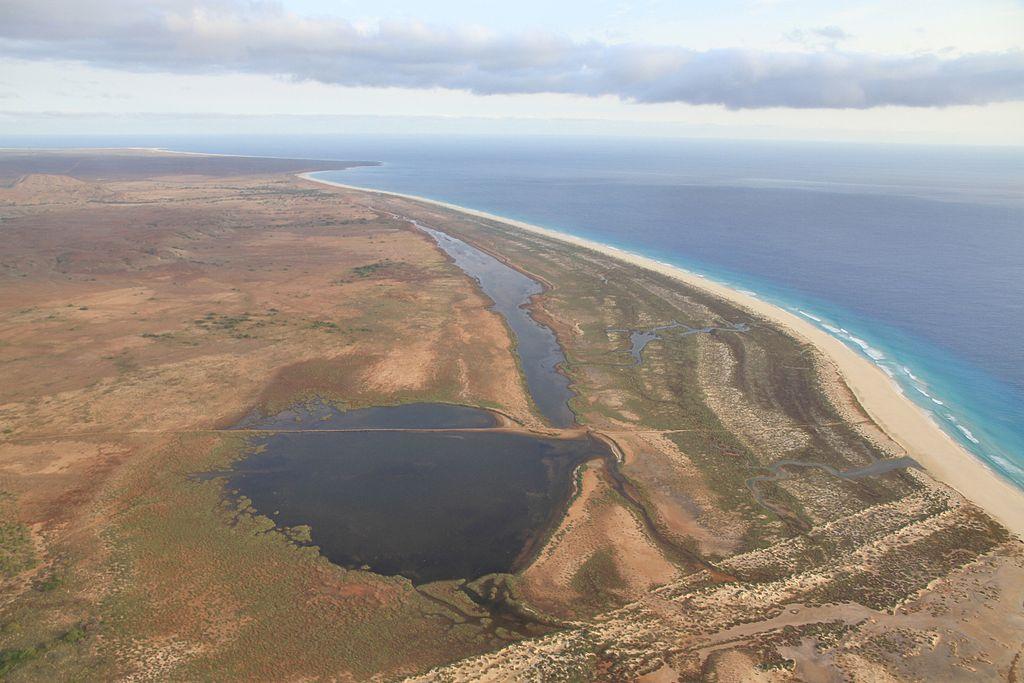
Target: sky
x=931, y=72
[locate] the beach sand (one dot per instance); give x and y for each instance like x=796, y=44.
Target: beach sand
x=904, y=421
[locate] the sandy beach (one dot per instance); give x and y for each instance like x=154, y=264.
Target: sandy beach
x=902, y=420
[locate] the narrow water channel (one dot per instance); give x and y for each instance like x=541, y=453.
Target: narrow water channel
x=540, y=355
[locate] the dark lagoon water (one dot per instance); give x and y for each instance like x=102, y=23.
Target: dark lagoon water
x=444, y=500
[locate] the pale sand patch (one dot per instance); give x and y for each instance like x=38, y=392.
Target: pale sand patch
x=849, y=408
x=898, y=416
x=50, y=457
x=596, y=520
x=404, y=369
x=678, y=492
x=735, y=666
x=640, y=563
x=43, y=188
x=664, y=674
x=548, y=579
x=770, y=434
x=120, y=297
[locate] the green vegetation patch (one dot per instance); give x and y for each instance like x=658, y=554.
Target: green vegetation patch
x=16, y=551
x=15, y=658
x=370, y=268
x=598, y=581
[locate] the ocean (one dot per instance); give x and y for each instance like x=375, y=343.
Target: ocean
x=912, y=255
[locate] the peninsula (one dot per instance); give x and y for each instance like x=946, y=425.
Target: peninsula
x=892, y=411
x=258, y=427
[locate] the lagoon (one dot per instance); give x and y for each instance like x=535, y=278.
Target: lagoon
x=439, y=500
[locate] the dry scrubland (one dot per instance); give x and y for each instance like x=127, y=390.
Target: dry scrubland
x=141, y=315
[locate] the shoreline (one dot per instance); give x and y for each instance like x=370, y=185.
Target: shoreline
x=899, y=417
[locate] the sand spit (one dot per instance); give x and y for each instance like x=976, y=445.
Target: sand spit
x=897, y=415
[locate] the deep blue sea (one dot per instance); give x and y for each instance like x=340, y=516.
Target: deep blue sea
x=913, y=255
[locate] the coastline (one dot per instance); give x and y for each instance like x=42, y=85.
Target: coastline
x=899, y=417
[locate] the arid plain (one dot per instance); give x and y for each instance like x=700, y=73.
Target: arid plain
x=755, y=525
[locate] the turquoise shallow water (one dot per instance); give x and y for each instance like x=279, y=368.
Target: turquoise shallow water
x=914, y=256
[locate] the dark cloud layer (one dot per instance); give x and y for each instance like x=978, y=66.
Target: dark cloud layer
x=259, y=37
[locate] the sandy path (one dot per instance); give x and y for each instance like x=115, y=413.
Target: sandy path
x=902, y=419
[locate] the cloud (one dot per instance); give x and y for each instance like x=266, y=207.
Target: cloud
x=203, y=36
x=832, y=33
x=822, y=36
